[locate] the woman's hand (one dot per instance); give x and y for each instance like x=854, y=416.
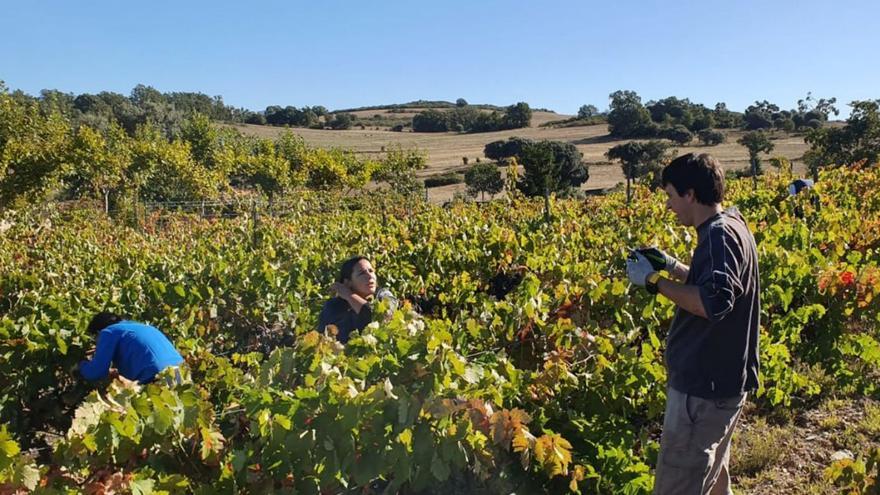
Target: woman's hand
x=355, y=301
x=341, y=290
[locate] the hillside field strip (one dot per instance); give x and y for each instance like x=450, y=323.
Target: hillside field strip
x=446, y=150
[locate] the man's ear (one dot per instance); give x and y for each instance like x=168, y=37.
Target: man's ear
x=690, y=196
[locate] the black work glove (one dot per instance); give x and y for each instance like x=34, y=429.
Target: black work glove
x=659, y=259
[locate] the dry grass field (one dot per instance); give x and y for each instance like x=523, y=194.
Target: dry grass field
x=446, y=150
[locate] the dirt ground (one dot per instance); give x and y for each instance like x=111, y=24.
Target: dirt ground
x=790, y=456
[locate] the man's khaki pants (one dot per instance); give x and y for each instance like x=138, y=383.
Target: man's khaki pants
x=695, y=444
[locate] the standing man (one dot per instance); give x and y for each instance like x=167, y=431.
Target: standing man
x=712, y=347
x=138, y=351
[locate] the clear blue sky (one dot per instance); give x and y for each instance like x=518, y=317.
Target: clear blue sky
x=554, y=54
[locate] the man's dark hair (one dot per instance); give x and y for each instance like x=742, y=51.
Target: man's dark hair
x=702, y=173
x=348, y=267
x=103, y=320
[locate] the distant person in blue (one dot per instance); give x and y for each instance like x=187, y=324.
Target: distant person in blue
x=138, y=351
x=355, y=290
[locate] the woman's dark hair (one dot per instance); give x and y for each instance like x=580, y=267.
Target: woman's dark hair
x=702, y=173
x=348, y=267
x=103, y=320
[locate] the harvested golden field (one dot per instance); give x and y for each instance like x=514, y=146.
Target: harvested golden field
x=446, y=150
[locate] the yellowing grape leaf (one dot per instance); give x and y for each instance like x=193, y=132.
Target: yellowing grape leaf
x=553, y=453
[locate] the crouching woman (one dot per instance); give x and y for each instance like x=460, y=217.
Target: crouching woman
x=356, y=289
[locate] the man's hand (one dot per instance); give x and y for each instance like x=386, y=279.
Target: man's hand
x=638, y=267
x=659, y=259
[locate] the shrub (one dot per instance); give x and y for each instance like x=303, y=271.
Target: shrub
x=784, y=124
x=430, y=121
x=677, y=134
x=483, y=178
x=444, y=179
x=341, y=121
x=256, y=119
x=710, y=137
x=576, y=122
x=497, y=150
x=587, y=111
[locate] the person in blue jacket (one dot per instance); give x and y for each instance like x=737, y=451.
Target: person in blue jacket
x=137, y=350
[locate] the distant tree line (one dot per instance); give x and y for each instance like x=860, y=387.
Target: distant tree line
x=47, y=151
x=420, y=104
x=292, y=116
x=145, y=104
x=467, y=118
x=856, y=142
x=553, y=167
x=809, y=114
x=164, y=146
x=679, y=120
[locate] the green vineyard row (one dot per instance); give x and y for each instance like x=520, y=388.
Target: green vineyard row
x=557, y=387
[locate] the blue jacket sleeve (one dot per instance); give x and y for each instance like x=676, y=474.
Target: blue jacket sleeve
x=719, y=283
x=98, y=367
